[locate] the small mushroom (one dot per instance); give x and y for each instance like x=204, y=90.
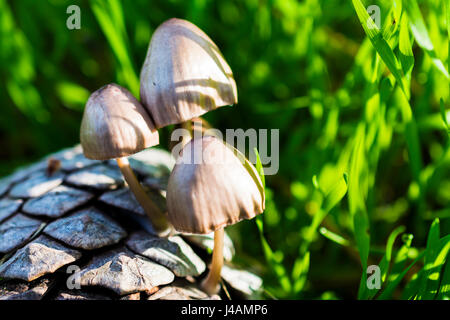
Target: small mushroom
x=184, y=74
x=210, y=188
x=115, y=126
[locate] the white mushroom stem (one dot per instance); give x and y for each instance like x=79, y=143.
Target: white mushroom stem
x=158, y=219
x=211, y=283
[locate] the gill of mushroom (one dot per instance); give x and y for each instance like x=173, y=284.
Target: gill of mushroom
x=184, y=75
x=115, y=126
x=210, y=188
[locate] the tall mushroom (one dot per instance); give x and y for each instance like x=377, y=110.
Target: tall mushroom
x=209, y=189
x=115, y=126
x=184, y=74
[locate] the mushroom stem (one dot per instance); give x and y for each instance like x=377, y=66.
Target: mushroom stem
x=211, y=282
x=196, y=128
x=158, y=219
x=187, y=125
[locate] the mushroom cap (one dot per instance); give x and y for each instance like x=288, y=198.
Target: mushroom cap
x=115, y=125
x=184, y=74
x=210, y=188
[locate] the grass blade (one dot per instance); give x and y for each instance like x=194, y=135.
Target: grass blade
x=436, y=254
x=406, y=54
x=334, y=237
x=381, y=46
x=386, y=261
x=421, y=34
x=332, y=194
x=259, y=168
x=300, y=272
x=444, y=114
x=271, y=258
x=444, y=288
x=430, y=254
x=387, y=293
x=110, y=18
x=357, y=206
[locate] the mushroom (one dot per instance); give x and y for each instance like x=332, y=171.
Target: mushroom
x=184, y=75
x=115, y=126
x=210, y=188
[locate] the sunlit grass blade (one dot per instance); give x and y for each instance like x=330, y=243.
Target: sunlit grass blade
x=109, y=17
x=391, y=23
x=116, y=13
x=335, y=194
x=357, y=205
x=439, y=277
x=334, y=237
x=332, y=195
x=421, y=34
x=259, y=168
x=300, y=272
x=392, y=285
x=272, y=259
x=430, y=254
x=444, y=287
x=406, y=54
x=412, y=287
x=390, y=243
x=436, y=253
x=380, y=44
x=444, y=114
x=386, y=261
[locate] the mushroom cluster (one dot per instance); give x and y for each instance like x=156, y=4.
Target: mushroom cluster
x=183, y=77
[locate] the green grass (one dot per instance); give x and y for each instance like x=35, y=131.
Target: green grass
x=363, y=114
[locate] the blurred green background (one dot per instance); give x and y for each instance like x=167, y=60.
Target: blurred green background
x=364, y=159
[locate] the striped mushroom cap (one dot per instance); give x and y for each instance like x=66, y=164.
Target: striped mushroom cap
x=184, y=74
x=115, y=125
x=210, y=187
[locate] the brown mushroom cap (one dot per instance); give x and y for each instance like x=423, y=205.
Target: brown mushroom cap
x=184, y=74
x=115, y=125
x=205, y=194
